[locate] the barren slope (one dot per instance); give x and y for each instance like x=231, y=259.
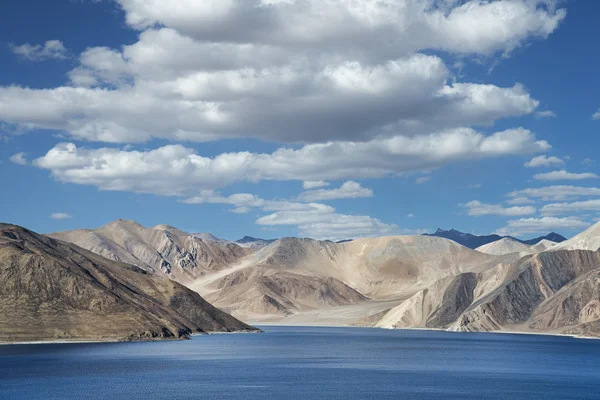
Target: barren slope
x=55, y=290
x=505, y=246
x=164, y=249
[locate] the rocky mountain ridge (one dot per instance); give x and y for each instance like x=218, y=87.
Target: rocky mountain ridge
x=51, y=289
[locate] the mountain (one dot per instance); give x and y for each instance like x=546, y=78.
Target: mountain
x=474, y=241
x=254, y=243
x=50, y=290
x=553, y=237
x=552, y=292
x=399, y=281
x=505, y=246
x=543, y=245
x=292, y=275
x=466, y=239
x=587, y=240
x=163, y=249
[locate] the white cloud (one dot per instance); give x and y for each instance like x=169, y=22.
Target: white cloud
x=544, y=161
x=564, y=175
x=565, y=208
x=545, y=114
x=477, y=209
x=19, y=158
x=60, y=216
x=520, y=200
x=422, y=179
x=177, y=170
x=596, y=115
x=307, y=185
x=348, y=190
x=384, y=27
x=52, y=49
x=411, y=215
x=556, y=193
x=588, y=161
x=322, y=222
x=541, y=225
x=316, y=220
x=293, y=103
x=288, y=71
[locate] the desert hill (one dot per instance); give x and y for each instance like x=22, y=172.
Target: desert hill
x=55, y=290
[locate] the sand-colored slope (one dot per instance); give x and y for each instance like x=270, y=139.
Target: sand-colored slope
x=543, y=245
x=536, y=296
x=55, y=290
x=505, y=246
x=163, y=249
x=586, y=240
x=293, y=275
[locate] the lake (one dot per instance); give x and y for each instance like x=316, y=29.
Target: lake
x=309, y=363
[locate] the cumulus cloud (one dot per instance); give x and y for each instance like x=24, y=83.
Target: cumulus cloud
x=348, y=190
x=476, y=208
x=556, y=193
x=177, y=170
x=389, y=26
x=322, y=222
x=347, y=101
x=544, y=161
x=596, y=115
x=52, y=49
x=564, y=175
x=308, y=185
x=527, y=226
x=565, y=208
x=60, y=216
x=19, y=159
x=288, y=71
x=422, y=179
x=315, y=220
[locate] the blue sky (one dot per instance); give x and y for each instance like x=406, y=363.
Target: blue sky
x=322, y=119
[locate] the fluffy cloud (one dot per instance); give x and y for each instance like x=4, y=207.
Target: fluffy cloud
x=294, y=103
x=477, y=209
x=348, y=190
x=422, y=179
x=177, y=170
x=19, y=159
x=315, y=220
x=596, y=115
x=541, y=225
x=385, y=27
x=565, y=208
x=287, y=71
x=543, y=161
x=60, y=216
x=556, y=193
x=564, y=175
x=322, y=222
x=308, y=185
x=52, y=49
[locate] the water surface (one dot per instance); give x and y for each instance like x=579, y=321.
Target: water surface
x=309, y=363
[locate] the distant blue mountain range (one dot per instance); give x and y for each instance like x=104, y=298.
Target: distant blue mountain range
x=474, y=241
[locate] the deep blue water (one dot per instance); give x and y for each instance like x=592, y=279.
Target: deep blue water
x=309, y=363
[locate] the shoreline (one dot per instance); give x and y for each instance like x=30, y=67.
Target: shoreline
x=270, y=324
x=432, y=330
x=98, y=341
